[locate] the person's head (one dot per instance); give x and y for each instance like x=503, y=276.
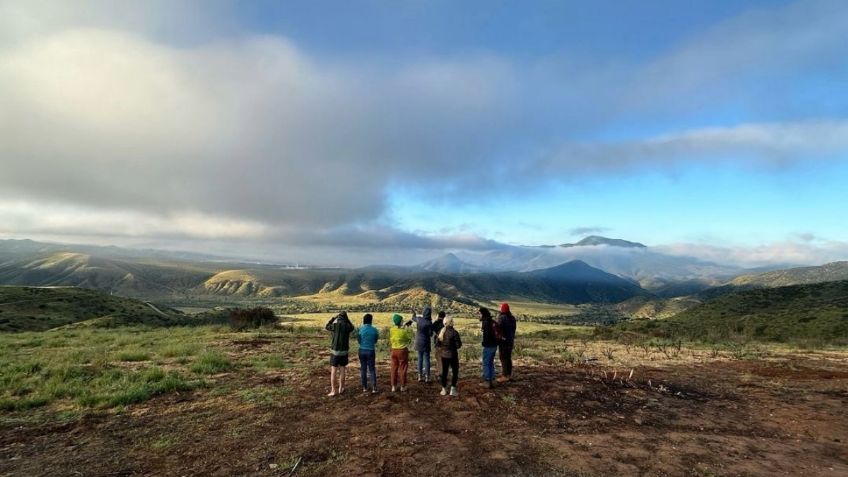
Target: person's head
x=441, y=315
x=428, y=313
x=449, y=322
x=485, y=314
x=367, y=319
x=343, y=316
x=504, y=307
x=397, y=319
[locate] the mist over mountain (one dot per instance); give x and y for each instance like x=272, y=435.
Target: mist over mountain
x=632, y=260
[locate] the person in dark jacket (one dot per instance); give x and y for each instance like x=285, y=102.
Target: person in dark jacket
x=507, y=325
x=490, y=347
x=341, y=329
x=424, y=325
x=448, y=346
x=438, y=324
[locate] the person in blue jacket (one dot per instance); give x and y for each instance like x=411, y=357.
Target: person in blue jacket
x=424, y=324
x=367, y=338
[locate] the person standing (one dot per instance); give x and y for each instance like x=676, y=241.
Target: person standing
x=490, y=346
x=506, y=322
x=448, y=349
x=438, y=324
x=424, y=325
x=367, y=337
x=341, y=329
x=399, y=338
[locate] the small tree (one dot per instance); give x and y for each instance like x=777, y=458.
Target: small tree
x=242, y=319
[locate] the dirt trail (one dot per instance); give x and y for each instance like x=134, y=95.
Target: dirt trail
x=736, y=418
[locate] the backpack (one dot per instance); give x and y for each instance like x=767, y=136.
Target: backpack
x=497, y=331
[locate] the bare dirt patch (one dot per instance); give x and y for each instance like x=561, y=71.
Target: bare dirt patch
x=777, y=417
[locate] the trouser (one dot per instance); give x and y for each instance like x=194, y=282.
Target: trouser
x=400, y=362
x=367, y=365
x=505, y=352
x=423, y=363
x=453, y=364
x=489, y=362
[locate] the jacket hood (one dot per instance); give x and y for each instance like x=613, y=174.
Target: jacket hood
x=397, y=319
x=428, y=313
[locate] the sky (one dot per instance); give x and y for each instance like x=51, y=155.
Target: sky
x=347, y=132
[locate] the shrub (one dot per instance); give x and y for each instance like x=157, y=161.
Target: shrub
x=211, y=362
x=242, y=319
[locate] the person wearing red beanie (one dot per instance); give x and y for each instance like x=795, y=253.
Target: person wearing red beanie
x=506, y=323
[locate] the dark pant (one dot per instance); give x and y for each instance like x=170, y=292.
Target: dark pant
x=505, y=352
x=367, y=365
x=453, y=364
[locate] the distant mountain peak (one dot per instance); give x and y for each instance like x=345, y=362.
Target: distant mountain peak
x=447, y=263
x=594, y=240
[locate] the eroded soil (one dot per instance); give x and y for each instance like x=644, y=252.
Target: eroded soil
x=777, y=417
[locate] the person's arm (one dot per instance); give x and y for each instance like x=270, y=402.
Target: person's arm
x=458, y=341
x=329, y=326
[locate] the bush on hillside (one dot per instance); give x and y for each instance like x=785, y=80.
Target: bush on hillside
x=242, y=319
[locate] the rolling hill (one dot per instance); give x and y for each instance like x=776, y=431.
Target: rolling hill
x=445, y=280
x=794, y=276
x=816, y=312
x=139, y=277
x=40, y=309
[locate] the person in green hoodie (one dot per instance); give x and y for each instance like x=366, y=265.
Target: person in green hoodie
x=341, y=329
x=400, y=336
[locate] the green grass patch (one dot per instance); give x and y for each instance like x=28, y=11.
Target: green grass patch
x=211, y=362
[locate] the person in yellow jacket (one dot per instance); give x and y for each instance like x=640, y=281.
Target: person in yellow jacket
x=400, y=336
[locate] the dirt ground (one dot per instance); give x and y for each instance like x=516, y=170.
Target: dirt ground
x=777, y=417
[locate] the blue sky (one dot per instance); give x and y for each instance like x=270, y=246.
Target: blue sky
x=426, y=125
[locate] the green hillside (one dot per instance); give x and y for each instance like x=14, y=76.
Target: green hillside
x=39, y=309
x=817, y=312
x=795, y=276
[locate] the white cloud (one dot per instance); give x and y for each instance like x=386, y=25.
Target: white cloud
x=230, y=134
x=787, y=252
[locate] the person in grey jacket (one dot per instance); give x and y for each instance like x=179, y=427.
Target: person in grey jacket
x=424, y=324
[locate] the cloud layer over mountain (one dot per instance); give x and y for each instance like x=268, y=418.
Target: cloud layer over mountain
x=110, y=128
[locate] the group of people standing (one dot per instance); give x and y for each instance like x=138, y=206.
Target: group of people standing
x=498, y=337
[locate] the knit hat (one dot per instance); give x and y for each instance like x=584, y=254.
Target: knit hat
x=397, y=319
x=504, y=307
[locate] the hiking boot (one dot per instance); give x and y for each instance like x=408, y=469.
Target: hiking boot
x=364, y=390
x=453, y=391
x=503, y=379
x=444, y=391
x=374, y=391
